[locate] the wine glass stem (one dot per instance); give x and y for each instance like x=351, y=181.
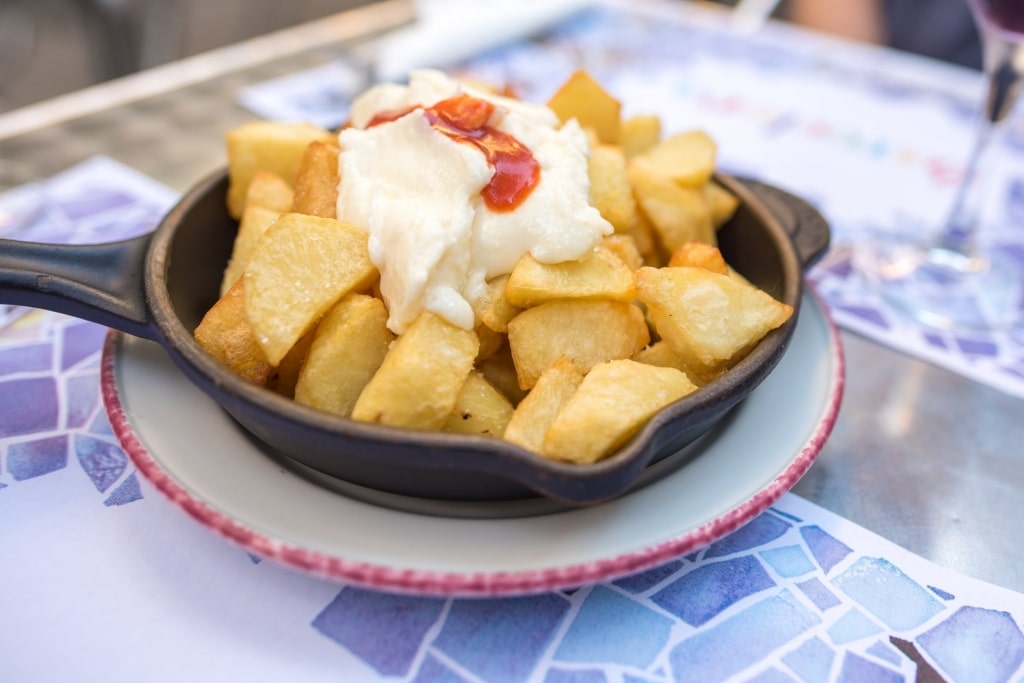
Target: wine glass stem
x=1005, y=76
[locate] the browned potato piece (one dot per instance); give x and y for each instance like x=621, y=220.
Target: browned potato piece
x=269, y=145
x=316, y=181
x=600, y=274
x=421, y=377
x=490, y=342
x=493, y=308
x=721, y=203
x=679, y=214
x=349, y=345
x=584, y=99
x=500, y=371
x=686, y=158
x=625, y=247
x=611, y=403
x=255, y=221
x=699, y=255
x=299, y=268
x=479, y=409
x=270, y=191
x=226, y=335
x=610, y=191
x=705, y=316
x=535, y=413
x=639, y=134
x=661, y=354
x=286, y=375
x=587, y=332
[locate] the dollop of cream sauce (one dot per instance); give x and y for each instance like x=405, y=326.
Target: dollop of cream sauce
x=417, y=193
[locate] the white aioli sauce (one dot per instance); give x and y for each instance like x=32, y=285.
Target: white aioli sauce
x=417, y=192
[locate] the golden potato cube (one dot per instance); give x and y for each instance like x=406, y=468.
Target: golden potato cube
x=610, y=405
x=707, y=316
x=286, y=375
x=600, y=274
x=226, y=335
x=679, y=214
x=639, y=134
x=610, y=190
x=699, y=255
x=347, y=349
x=721, y=203
x=584, y=99
x=493, y=308
x=269, y=191
x=686, y=158
x=587, y=332
x=299, y=268
x=316, y=180
x=490, y=342
x=421, y=377
x=661, y=354
x=646, y=239
x=268, y=145
x=479, y=409
x=255, y=221
x=500, y=371
x=625, y=247
x=535, y=413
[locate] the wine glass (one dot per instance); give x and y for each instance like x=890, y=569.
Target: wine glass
x=958, y=280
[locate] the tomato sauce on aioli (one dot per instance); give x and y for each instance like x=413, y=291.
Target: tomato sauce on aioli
x=464, y=118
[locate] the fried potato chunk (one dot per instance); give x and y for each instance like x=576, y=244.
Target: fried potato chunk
x=699, y=255
x=601, y=274
x=269, y=191
x=347, y=349
x=537, y=411
x=539, y=336
x=493, y=309
x=706, y=317
x=226, y=335
x=686, y=158
x=479, y=409
x=316, y=180
x=255, y=221
x=639, y=134
x=584, y=99
x=610, y=190
x=299, y=268
x=420, y=380
x=268, y=145
x=679, y=214
x=721, y=203
x=612, y=402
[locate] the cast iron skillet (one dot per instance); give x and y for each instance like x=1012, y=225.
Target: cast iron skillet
x=158, y=286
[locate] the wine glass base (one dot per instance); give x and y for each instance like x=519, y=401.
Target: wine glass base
x=944, y=289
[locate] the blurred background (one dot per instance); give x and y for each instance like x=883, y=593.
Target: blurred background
x=51, y=47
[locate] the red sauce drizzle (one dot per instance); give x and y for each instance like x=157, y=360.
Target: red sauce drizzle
x=464, y=119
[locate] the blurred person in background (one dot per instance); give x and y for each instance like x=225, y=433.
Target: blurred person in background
x=942, y=29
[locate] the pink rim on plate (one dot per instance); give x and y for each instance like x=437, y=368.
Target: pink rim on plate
x=426, y=582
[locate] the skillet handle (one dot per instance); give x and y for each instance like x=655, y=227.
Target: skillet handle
x=102, y=283
x=807, y=228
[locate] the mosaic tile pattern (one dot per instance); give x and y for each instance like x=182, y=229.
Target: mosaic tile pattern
x=773, y=602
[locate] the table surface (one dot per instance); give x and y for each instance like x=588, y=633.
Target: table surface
x=922, y=456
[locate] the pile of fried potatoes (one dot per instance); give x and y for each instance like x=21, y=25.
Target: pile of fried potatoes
x=567, y=360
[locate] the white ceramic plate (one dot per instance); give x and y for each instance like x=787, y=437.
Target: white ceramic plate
x=200, y=458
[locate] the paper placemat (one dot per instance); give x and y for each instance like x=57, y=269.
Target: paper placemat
x=875, y=139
